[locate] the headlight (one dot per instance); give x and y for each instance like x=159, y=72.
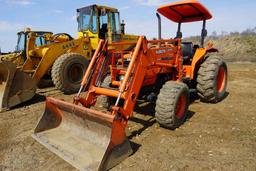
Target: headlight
x=121, y=77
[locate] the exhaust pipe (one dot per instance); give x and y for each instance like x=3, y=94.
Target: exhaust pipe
x=203, y=34
x=159, y=26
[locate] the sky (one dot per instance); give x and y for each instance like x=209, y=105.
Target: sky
x=59, y=16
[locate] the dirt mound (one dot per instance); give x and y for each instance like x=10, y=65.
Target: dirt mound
x=237, y=48
x=233, y=48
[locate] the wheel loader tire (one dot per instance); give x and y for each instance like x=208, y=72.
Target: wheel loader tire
x=67, y=72
x=212, y=80
x=104, y=101
x=172, y=104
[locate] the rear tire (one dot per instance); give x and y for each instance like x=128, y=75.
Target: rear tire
x=67, y=72
x=172, y=104
x=212, y=80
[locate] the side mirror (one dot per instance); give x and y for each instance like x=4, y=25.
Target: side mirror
x=77, y=17
x=123, y=27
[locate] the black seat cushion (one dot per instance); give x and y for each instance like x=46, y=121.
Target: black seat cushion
x=187, y=49
x=103, y=31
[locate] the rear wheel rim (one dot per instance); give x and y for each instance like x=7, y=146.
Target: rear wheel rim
x=221, y=79
x=181, y=107
x=75, y=73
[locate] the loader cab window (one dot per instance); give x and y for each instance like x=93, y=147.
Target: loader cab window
x=21, y=42
x=115, y=27
x=40, y=40
x=87, y=19
x=103, y=25
x=115, y=23
x=84, y=17
x=93, y=25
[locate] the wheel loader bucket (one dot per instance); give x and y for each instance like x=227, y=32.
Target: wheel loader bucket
x=15, y=86
x=85, y=138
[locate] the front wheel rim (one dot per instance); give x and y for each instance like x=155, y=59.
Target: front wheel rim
x=181, y=107
x=221, y=79
x=75, y=73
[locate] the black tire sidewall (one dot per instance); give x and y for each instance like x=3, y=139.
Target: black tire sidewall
x=207, y=79
x=71, y=61
x=166, y=104
x=105, y=101
x=64, y=64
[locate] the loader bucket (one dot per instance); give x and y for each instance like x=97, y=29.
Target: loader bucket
x=85, y=138
x=15, y=86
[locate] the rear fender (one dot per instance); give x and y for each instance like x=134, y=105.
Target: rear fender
x=198, y=57
x=212, y=50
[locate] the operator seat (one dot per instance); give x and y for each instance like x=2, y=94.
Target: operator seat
x=103, y=31
x=188, y=52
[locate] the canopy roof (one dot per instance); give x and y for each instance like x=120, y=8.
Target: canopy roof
x=185, y=11
x=98, y=7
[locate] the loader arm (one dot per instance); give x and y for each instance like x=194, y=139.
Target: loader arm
x=129, y=86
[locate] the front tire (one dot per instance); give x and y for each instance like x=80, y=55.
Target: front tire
x=67, y=72
x=172, y=104
x=212, y=80
x=105, y=101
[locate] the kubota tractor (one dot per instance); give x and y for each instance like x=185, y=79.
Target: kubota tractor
x=63, y=59
x=95, y=140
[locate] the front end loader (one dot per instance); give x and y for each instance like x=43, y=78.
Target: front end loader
x=59, y=57
x=22, y=70
x=116, y=77
x=15, y=85
x=98, y=139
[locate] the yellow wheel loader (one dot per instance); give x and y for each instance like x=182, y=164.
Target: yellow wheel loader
x=64, y=59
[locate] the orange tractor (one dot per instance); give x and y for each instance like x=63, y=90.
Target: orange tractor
x=162, y=69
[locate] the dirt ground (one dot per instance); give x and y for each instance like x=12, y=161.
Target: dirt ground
x=216, y=137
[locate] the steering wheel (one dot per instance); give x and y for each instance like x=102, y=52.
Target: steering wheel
x=62, y=34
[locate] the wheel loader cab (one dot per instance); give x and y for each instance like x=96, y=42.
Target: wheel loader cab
x=23, y=37
x=99, y=22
